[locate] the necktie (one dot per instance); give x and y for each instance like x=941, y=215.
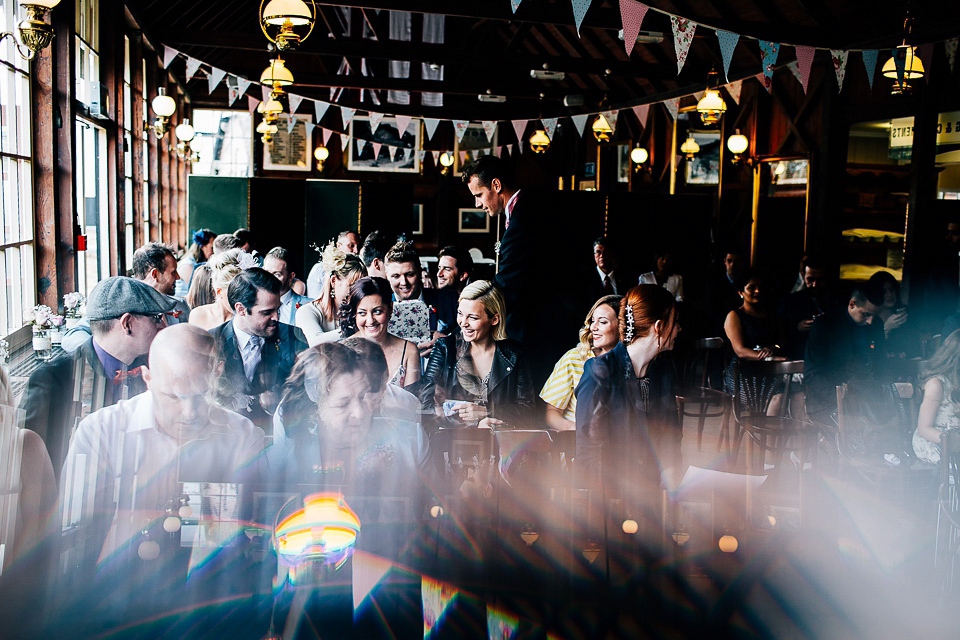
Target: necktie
x=607, y=286
x=251, y=356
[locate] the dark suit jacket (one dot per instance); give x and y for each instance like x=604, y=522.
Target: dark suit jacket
x=443, y=307
x=277, y=356
x=594, y=285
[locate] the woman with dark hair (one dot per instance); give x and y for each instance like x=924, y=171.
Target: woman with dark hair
x=900, y=342
x=627, y=431
x=478, y=378
x=198, y=253
x=752, y=331
x=664, y=276
x=367, y=314
x=940, y=409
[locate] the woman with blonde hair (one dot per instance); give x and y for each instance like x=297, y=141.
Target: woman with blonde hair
x=940, y=409
x=224, y=268
x=319, y=320
x=600, y=333
x=480, y=377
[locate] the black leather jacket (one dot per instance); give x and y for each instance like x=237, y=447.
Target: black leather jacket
x=510, y=392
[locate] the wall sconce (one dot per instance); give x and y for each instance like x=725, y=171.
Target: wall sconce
x=638, y=155
x=164, y=106
x=711, y=106
x=279, y=17
x=321, y=153
x=738, y=145
x=601, y=129
x=35, y=32
x=690, y=147
x=539, y=141
x=185, y=134
x=276, y=74
x=446, y=161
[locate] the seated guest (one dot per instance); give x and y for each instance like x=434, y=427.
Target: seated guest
x=751, y=330
x=402, y=265
x=478, y=378
x=257, y=348
x=347, y=243
x=940, y=409
x=277, y=262
x=604, y=281
x=799, y=309
x=125, y=315
x=367, y=313
x=454, y=268
x=664, y=276
x=155, y=265
x=201, y=289
x=224, y=267
x=627, y=431
x=600, y=333
x=901, y=339
x=374, y=252
x=845, y=345
x=723, y=288
x=198, y=253
x=319, y=320
x=226, y=241
x=245, y=236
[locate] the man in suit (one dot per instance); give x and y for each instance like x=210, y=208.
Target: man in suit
x=277, y=263
x=605, y=281
x=258, y=350
x=454, y=268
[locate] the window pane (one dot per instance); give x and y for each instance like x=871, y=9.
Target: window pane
x=223, y=140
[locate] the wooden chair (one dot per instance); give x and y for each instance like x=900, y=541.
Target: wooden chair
x=756, y=383
x=948, y=509
x=706, y=397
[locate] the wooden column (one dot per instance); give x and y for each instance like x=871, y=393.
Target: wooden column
x=65, y=149
x=153, y=154
x=111, y=57
x=827, y=175
x=138, y=147
x=163, y=150
x=175, y=121
x=46, y=226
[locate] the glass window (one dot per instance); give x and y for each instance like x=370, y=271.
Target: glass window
x=224, y=140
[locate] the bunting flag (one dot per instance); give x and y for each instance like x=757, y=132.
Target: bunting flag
x=232, y=94
x=291, y=123
x=510, y=149
x=683, y=31
x=192, y=65
x=611, y=117
x=870, y=64
x=319, y=109
x=252, y=103
x=950, y=46
x=242, y=85
x=734, y=89
x=698, y=96
x=214, y=79
x=770, y=52
x=580, y=122
x=344, y=142
x=431, y=126
x=804, y=63
x=325, y=134
x=463, y=158
x=375, y=119
x=489, y=128
x=580, y=8
x=460, y=128
x=519, y=126
x=421, y=155
x=728, y=42
x=673, y=107
x=436, y=158
x=839, y=65
x=632, y=14
x=294, y=101
x=265, y=91
x=376, y=149
x=360, y=145
x=642, y=111
x=794, y=68
x=168, y=55
x=925, y=53
x=309, y=127
x=498, y=151
x=549, y=126
x=402, y=123
x=515, y=4
x=899, y=61
x=346, y=114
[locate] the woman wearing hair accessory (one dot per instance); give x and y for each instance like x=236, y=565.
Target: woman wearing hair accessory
x=224, y=268
x=627, y=429
x=198, y=253
x=319, y=319
x=478, y=378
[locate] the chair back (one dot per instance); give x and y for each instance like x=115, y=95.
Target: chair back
x=950, y=463
x=757, y=381
x=703, y=349
x=875, y=420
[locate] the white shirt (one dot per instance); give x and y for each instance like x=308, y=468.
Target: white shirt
x=613, y=283
x=250, y=353
x=287, y=310
x=508, y=209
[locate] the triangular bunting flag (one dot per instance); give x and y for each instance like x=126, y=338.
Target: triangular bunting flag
x=368, y=570
x=870, y=64
x=794, y=68
x=950, y=46
x=320, y=108
x=683, y=31
x=611, y=117
x=233, y=92
x=430, y=124
x=375, y=119
x=515, y=4
x=632, y=14
x=192, y=65
x=436, y=158
x=925, y=53
x=499, y=151
x=489, y=128
x=346, y=114
x=804, y=63
x=252, y=103
x=214, y=79
x=728, y=42
x=420, y=154
x=519, y=126
x=580, y=8
x=294, y=101
x=549, y=126
x=344, y=141
x=360, y=145
x=673, y=107
x=463, y=158
x=265, y=92
x=580, y=122
x=460, y=128
x=642, y=111
x=402, y=123
x=376, y=149
x=839, y=65
x=242, y=85
x=770, y=52
x=734, y=89
x=291, y=123
x=510, y=149
x=899, y=61
x=309, y=126
x=169, y=54
x=325, y=135
x=698, y=96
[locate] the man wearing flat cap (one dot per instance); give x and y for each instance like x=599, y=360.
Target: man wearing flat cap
x=125, y=315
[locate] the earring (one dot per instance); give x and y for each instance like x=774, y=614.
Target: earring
x=658, y=343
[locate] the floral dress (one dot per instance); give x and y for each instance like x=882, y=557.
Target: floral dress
x=947, y=419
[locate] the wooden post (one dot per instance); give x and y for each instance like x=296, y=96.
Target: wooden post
x=65, y=148
x=137, y=145
x=153, y=155
x=45, y=179
x=113, y=80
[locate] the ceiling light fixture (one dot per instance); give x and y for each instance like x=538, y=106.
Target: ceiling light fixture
x=690, y=147
x=284, y=22
x=602, y=130
x=539, y=141
x=446, y=161
x=276, y=74
x=912, y=69
x=35, y=32
x=711, y=106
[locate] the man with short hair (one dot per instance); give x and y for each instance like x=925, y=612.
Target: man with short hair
x=604, y=281
x=225, y=242
x=799, y=309
x=125, y=315
x=405, y=275
x=277, y=263
x=258, y=349
x=347, y=242
x=454, y=268
x=374, y=251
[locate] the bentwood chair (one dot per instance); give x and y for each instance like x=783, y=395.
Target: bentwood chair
x=705, y=397
x=948, y=509
x=756, y=383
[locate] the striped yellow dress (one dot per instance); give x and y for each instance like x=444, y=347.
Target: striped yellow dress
x=559, y=387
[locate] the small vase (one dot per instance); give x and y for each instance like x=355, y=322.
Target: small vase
x=42, y=343
x=56, y=335
x=71, y=322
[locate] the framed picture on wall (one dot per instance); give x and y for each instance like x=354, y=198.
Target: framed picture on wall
x=473, y=221
x=290, y=149
x=704, y=168
x=474, y=142
x=395, y=154
x=623, y=163
x=417, y=221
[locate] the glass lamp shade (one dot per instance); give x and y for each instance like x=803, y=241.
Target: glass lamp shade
x=184, y=131
x=296, y=12
x=321, y=153
x=276, y=74
x=267, y=127
x=539, y=141
x=711, y=106
x=639, y=155
x=601, y=129
x=324, y=531
x=163, y=105
x=690, y=147
x=46, y=4
x=270, y=107
x=446, y=159
x=737, y=143
x=912, y=65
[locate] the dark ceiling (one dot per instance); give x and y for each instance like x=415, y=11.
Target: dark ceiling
x=488, y=48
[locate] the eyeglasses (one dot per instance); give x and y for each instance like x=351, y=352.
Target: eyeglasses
x=158, y=318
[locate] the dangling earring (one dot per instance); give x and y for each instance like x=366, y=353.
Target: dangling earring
x=658, y=342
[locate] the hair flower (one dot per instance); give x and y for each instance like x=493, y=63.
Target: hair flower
x=628, y=315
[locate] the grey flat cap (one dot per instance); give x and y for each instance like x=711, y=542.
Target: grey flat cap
x=115, y=296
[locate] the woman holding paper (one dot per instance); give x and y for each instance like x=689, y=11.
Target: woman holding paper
x=479, y=378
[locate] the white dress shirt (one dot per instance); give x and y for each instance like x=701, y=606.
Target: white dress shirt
x=250, y=347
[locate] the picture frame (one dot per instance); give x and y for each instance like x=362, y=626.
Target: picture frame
x=404, y=157
x=623, y=163
x=473, y=221
x=474, y=141
x=704, y=167
x=289, y=151
x=417, y=220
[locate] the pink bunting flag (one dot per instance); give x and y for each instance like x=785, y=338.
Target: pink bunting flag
x=436, y=158
x=611, y=117
x=375, y=119
x=463, y=158
x=319, y=109
x=804, y=63
x=460, y=128
x=642, y=111
x=580, y=122
x=242, y=85
x=673, y=107
x=325, y=135
x=499, y=151
x=402, y=123
x=252, y=103
x=683, y=31
x=169, y=54
x=950, y=46
x=265, y=92
x=192, y=65
x=734, y=89
x=580, y=8
x=549, y=126
x=632, y=14
x=291, y=123
x=214, y=79
x=510, y=149
x=344, y=141
x=430, y=124
x=839, y=65
x=376, y=149
x=520, y=126
x=489, y=128
x=294, y=101
x=346, y=114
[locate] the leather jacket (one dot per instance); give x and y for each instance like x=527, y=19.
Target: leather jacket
x=510, y=391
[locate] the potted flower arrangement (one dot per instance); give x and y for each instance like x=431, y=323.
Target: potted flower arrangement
x=41, y=317
x=72, y=303
x=57, y=328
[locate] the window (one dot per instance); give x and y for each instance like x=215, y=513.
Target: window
x=224, y=141
x=127, y=154
x=87, y=76
x=16, y=200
